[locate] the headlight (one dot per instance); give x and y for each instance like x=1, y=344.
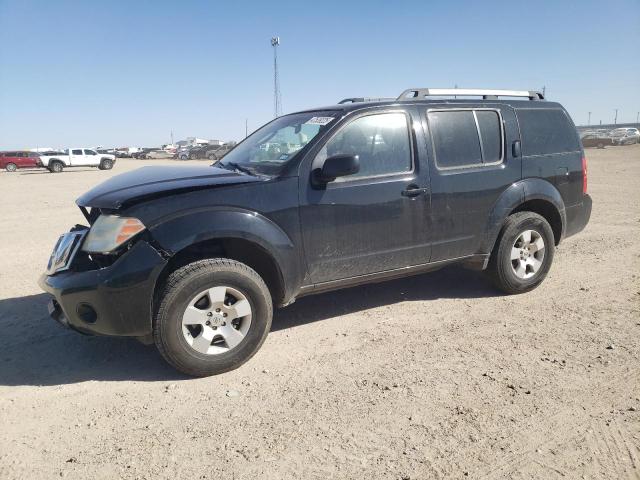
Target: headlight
x=109, y=232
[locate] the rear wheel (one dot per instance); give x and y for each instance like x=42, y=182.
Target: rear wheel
x=601, y=145
x=56, y=167
x=11, y=167
x=523, y=253
x=212, y=156
x=213, y=316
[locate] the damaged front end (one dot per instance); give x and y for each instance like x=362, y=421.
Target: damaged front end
x=103, y=280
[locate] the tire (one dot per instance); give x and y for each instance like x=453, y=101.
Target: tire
x=106, y=164
x=11, y=167
x=509, y=275
x=198, y=350
x=601, y=145
x=213, y=157
x=56, y=167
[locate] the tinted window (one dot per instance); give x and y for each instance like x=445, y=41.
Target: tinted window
x=455, y=138
x=89, y=152
x=546, y=131
x=490, y=135
x=76, y=152
x=381, y=142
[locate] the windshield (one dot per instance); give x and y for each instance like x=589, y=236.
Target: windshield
x=270, y=148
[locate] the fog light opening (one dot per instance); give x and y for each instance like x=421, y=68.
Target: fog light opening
x=86, y=313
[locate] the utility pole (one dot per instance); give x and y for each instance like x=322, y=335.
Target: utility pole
x=615, y=120
x=246, y=127
x=589, y=122
x=544, y=91
x=171, y=137
x=277, y=101
x=638, y=117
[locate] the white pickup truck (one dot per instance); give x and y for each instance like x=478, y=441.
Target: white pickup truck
x=77, y=157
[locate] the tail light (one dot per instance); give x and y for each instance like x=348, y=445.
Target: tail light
x=584, y=175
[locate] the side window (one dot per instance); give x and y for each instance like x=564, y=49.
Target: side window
x=455, y=138
x=464, y=138
x=381, y=141
x=76, y=152
x=89, y=152
x=546, y=131
x=490, y=135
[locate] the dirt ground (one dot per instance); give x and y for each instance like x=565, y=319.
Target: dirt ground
x=436, y=376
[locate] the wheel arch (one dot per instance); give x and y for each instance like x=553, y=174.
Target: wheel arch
x=244, y=236
x=535, y=195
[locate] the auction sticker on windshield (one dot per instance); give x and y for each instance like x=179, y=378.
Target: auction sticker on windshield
x=318, y=120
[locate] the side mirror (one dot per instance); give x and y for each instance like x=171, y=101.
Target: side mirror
x=338, y=166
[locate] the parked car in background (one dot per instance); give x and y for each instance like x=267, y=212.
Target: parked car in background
x=108, y=151
x=218, y=152
x=156, y=154
x=78, y=157
x=12, y=161
x=625, y=136
x=597, y=140
x=193, y=152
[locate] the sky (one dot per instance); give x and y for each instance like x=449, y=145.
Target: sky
x=128, y=73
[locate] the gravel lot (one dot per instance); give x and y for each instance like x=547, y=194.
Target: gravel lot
x=436, y=376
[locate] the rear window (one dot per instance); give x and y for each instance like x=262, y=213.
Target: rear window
x=546, y=131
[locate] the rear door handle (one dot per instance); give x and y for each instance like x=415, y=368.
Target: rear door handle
x=414, y=191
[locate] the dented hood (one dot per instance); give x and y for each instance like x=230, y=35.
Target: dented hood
x=153, y=181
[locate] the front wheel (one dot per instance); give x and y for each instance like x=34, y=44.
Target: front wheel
x=523, y=253
x=11, y=167
x=213, y=316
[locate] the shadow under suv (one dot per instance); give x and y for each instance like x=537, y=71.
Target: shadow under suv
x=195, y=258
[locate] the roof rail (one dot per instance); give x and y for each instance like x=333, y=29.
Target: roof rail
x=364, y=99
x=413, y=93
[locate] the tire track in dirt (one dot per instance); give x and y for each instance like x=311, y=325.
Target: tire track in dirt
x=557, y=432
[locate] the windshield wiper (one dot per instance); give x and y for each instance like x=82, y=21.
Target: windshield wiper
x=239, y=168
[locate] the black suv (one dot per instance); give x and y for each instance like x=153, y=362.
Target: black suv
x=194, y=258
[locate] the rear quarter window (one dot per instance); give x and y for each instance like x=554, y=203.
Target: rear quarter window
x=546, y=131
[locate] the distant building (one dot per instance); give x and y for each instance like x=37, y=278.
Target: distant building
x=189, y=141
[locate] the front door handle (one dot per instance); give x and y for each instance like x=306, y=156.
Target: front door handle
x=414, y=191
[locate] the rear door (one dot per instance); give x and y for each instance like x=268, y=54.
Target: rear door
x=472, y=165
x=76, y=157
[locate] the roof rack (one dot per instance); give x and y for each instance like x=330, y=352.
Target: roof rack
x=364, y=99
x=413, y=93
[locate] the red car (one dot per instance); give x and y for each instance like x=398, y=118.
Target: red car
x=11, y=161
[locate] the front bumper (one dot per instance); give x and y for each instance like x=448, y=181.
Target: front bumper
x=114, y=300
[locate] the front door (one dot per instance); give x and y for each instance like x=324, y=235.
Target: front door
x=374, y=220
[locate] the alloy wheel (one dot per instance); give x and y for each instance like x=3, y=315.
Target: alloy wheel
x=216, y=320
x=527, y=254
